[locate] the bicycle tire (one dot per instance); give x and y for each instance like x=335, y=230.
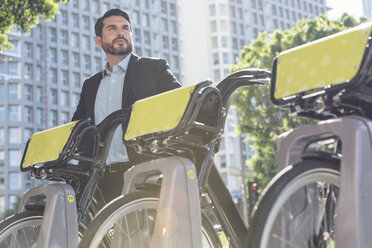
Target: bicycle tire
x=298, y=208
x=99, y=232
x=21, y=230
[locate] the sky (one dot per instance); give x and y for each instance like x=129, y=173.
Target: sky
x=352, y=7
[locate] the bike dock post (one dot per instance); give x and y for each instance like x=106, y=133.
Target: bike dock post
x=354, y=218
x=59, y=227
x=178, y=221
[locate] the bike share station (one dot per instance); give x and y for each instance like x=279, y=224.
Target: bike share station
x=331, y=80
x=327, y=80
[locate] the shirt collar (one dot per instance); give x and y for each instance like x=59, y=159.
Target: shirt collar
x=123, y=65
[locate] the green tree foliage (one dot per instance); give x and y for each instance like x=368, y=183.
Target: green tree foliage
x=260, y=118
x=24, y=15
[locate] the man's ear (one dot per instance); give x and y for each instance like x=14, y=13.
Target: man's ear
x=98, y=40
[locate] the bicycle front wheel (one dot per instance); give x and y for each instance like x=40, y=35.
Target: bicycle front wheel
x=21, y=230
x=129, y=221
x=298, y=208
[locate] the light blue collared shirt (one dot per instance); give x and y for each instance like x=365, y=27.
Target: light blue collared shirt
x=109, y=99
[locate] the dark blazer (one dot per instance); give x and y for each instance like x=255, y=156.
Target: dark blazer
x=145, y=77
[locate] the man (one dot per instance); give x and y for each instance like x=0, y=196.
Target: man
x=125, y=79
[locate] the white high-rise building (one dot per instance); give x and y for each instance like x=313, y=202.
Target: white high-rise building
x=41, y=77
x=213, y=32
x=367, y=8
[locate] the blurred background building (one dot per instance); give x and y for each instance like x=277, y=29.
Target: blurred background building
x=41, y=77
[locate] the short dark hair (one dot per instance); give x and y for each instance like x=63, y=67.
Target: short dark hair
x=112, y=12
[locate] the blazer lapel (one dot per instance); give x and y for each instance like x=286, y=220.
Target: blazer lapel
x=129, y=79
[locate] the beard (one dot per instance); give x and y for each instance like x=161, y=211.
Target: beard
x=120, y=50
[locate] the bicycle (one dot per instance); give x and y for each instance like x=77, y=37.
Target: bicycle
x=49, y=216
x=322, y=187
x=197, y=113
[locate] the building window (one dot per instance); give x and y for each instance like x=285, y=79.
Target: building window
x=2, y=137
x=222, y=9
x=96, y=9
x=214, y=42
x=37, y=33
x=165, y=42
x=85, y=5
x=87, y=62
x=64, y=98
x=13, y=68
x=14, y=92
x=14, y=114
x=64, y=37
x=64, y=57
x=52, y=35
x=146, y=38
x=64, y=118
x=75, y=60
x=224, y=41
x=76, y=79
x=212, y=10
x=273, y=11
x=174, y=44
x=28, y=71
x=216, y=59
x=28, y=112
x=28, y=94
x=75, y=3
x=64, y=17
x=164, y=23
x=53, y=55
x=75, y=20
x=225, y=58
x=53, y=76
x=145, y=20
x=53, y=121
x=39, y=116
x=223, y=26
x=38, y=75
x=75, y=40
x=2, y=157
x=136, y=18
x=86, y=42
x=28, y=50
x=105, y=7
x=174, y=27
x=38, y=52
x=253, y=4
x=14, y=181
x=164, y=8
x=172, y=9
x=14, y=135
x=86, y=25
x=64, y=77
x=97, y=62
x=39, y=95
x=2, y=114
x=53, y=96
x=213, y=26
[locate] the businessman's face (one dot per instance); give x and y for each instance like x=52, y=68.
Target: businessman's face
x=116, y=36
